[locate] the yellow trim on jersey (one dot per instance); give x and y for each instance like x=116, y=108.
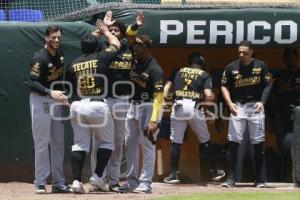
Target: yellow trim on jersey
x=131, y=32
x=157, y=106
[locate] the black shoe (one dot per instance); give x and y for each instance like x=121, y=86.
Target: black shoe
x=114, y=187
x=229, y=183
x=217, y=175
x=40, y=189
x=60, y=189
x=172, y=179
x=125, y=188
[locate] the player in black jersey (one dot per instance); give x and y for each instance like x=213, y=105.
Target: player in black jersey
x=90, y=113
x=119, y=91
x=286, y=87
x=122, y=64
x=192, y=87
x=46, y=69
x=285, y=93
x=246, y=84
x=143, y=117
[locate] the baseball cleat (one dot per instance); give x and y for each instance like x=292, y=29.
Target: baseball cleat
x=60, y=189
x=77, y=187
x=172, y=179
x=142, y=188
x=40, y=189
x=125, y=188
x=99, y=182
x=217, y=175
x=114, y=187
x=260, y=185
x=229, y=183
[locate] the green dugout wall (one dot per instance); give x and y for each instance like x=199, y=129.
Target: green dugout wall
x=176, y=33
x=18, y=43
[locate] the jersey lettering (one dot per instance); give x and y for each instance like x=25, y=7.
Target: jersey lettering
x=187, y=83
x=241, y=82
x=90, y=91
x=121, y=65
x=55, y=73
x=191, y=71
x=87, y=82
x=188, y=94
x=91, y=64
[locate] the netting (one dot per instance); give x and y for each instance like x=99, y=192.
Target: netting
x=39, y=10
x=70, y=10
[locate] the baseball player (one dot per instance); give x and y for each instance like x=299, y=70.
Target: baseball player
x=246, y=84
x=120, y=89
x=46, y=68
x=285, y=89
x=192, y=87
x=285, y=92
x=143, y=116
x=90, y=112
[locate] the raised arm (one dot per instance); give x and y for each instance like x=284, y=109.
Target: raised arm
x=112, y=40
x=132, y=29
x=108, y=20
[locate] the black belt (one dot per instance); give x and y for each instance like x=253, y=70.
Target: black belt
x=101, y=100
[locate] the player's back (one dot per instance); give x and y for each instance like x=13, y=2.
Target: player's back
x=87, y=76
x=190, y=82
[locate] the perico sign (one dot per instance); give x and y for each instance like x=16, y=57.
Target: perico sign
x=221, y=27
x=212, y=32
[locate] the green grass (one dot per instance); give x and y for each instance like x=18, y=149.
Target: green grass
x=238, y=196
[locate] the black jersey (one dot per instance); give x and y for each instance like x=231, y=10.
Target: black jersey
x=147, y=79
x=119, y=72
x=246, y=83
x=44, y=70
x=287, y=85
x=88, y=73
x=190, y=82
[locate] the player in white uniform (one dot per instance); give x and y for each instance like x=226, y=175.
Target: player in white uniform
x=192, y=87
x=120, y=88
x=246, y=84
x=141, y=126
x=89, y=111
x=46, y=69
